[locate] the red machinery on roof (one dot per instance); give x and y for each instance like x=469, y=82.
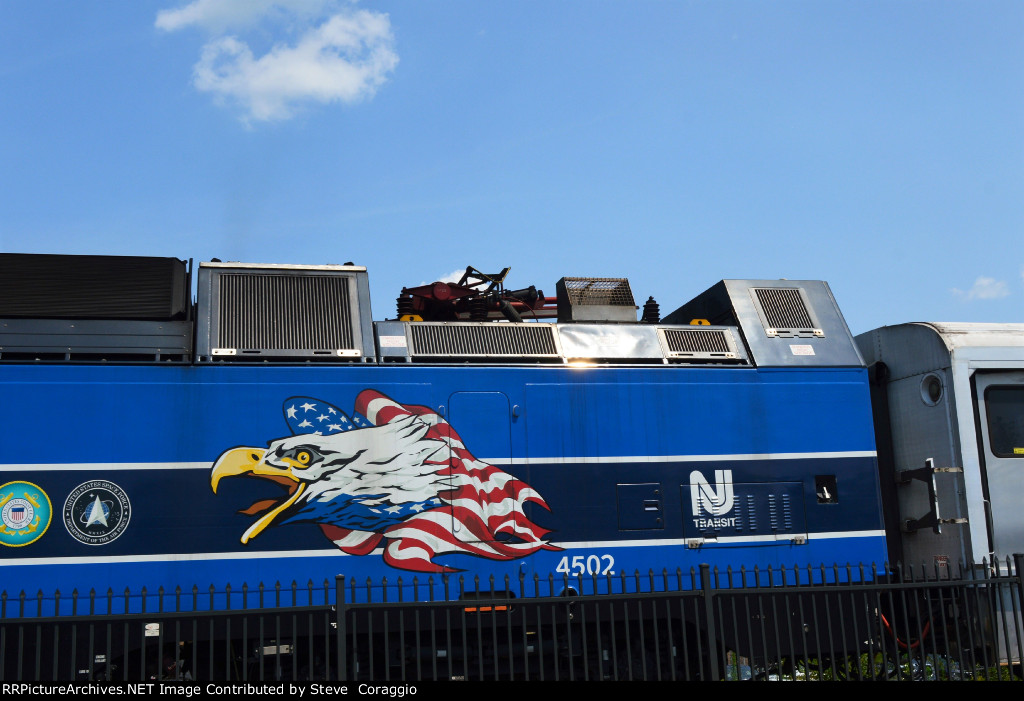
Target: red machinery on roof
x=476, y=296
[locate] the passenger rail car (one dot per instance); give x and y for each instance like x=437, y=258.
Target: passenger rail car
x=949, y=410
x=271, y=431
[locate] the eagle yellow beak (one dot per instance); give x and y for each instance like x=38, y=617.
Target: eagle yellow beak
x=251, y=461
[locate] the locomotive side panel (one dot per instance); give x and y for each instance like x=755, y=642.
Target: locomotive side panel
x=481, y=470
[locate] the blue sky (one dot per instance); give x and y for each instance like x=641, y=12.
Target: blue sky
x=875, y=145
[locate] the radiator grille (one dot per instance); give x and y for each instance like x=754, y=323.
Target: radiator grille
x=696, y=341
x=284, y=312
x=483, y=340
x=784, y=308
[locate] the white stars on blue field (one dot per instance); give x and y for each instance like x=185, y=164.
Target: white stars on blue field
x=313, y=416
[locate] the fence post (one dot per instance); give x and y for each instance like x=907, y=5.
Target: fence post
x=339, y=623
x=709, y=620
x=1018, y=570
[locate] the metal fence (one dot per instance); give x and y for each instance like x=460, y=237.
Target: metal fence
x=825, y=623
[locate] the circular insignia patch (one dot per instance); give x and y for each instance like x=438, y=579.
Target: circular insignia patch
x=25, y=513
x=97, y=512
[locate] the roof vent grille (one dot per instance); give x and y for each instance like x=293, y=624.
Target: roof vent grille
x=784, y=312
x=482, y=340
x=699, y=344
x=284, y=312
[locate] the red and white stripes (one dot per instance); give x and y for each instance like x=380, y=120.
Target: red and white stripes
x=482, y=503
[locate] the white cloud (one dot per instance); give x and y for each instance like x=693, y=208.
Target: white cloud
x=984, y=288
x=453, y=276
x=345, y=57
x=225, y=15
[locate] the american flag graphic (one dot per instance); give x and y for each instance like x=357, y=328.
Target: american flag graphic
x=314, y=416
x=482, y=504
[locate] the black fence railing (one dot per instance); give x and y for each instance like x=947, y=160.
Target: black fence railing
x=834, y=623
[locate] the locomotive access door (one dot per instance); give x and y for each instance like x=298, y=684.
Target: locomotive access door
x=483, y=422
x=999, y=410
x=999, y=418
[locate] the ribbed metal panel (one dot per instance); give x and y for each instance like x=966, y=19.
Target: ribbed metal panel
x=92, y=287
x=284, y=312
x=94, y=340
x=696, y=341
x=783, y=308
x=483, y=340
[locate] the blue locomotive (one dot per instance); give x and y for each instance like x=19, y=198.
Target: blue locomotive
x=270, y=431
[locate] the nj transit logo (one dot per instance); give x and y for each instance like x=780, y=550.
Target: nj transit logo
x=706, y=500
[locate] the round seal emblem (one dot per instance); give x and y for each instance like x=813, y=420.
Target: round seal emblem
x=25, y=513
x=97, y=512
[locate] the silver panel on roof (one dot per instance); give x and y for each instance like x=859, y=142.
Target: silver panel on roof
x=610, y=341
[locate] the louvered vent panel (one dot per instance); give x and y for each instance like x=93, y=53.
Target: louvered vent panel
x=284, y=312
x=92, y=287
x=784, y=308
x=483, y=340
x=696, y=341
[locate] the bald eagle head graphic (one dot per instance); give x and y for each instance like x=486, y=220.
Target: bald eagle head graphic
x=401, y=474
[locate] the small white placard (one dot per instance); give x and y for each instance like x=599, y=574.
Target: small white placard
x=802, y=350
x=152, y=630
x=392, y=341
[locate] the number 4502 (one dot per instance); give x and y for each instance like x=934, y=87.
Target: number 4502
x=589, y=564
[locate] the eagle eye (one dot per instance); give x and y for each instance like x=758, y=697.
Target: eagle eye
x=301, y=456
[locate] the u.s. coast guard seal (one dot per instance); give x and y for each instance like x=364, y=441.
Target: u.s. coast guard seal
x=25, y=513
x=97, y=512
